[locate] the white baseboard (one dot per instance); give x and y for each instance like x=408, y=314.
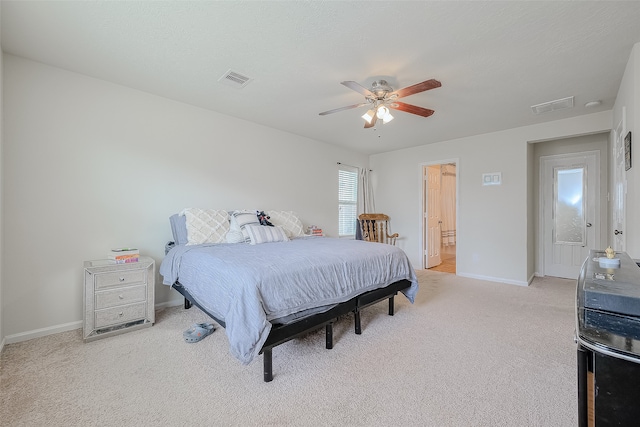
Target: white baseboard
x=494, y=279
x=37, y=333
x=172, y=303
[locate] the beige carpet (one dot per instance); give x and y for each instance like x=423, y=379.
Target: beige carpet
x=467, y=353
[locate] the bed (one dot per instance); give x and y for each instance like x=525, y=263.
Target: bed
x=267, y=292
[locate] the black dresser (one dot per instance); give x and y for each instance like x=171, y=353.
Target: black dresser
x=608, y=338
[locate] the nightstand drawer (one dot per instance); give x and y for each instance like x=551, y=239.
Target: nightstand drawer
x=117, y=315
x=107, y=280
x=121, y=296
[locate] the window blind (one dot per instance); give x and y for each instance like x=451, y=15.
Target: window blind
x=347, y=200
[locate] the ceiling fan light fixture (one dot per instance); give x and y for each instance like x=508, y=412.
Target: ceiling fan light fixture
x=368, y=116
x=384, y=114
x=381, y=97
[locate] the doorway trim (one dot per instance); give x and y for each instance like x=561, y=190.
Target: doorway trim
x=618, y=187
x=422, y=202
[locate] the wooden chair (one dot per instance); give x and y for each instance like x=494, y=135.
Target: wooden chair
x=375, y=228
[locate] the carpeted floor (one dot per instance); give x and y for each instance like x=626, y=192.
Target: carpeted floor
x=467, y=353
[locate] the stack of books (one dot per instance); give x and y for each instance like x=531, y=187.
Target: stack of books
x=312, y=230
x=124, y=255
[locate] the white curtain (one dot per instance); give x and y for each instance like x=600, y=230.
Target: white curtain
x=366, y=203
x=448, y=206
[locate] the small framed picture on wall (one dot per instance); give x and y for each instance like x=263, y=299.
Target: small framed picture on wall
x=627, y=152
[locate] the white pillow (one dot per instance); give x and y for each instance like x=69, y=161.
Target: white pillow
x=289, y=221
x=244, y=218
x=265, y=234
x=206, y=225
x=235, y=233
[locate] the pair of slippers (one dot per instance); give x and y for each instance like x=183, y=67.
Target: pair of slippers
x=198, y=331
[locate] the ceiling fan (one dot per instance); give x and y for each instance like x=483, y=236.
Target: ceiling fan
x=381, y=97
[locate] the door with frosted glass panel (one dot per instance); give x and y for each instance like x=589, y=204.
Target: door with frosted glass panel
x=571, y=211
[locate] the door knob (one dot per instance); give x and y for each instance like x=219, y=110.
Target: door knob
x=616, y=232
x=588, y=224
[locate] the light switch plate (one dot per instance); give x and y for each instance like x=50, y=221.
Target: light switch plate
x=493, y=178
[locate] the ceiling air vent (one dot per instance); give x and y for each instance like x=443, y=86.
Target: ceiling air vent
x=233, y=79
x=558, y=104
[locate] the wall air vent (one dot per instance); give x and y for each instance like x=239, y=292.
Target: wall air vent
x=233, y=79
x=558, y=104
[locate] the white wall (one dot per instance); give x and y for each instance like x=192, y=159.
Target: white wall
x=89, y=165
x=494, y=222
x=629, y=99
x=1, y=195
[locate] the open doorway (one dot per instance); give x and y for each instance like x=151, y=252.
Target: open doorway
x=439, y=213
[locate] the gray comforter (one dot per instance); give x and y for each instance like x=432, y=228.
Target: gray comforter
x=247, y=286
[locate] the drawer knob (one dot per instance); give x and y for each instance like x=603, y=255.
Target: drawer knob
x=120, y=296
x=122, y=279
x=121, y=314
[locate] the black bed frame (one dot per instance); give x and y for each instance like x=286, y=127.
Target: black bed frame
x=282, y=333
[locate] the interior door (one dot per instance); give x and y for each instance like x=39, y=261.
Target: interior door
x=571, y=193
x=619, y=190
x=431, y=184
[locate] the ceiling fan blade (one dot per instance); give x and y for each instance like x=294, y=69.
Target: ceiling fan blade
x=416, y=88
x=358, y=88
x=348, y=107
x=413, y=109
x=373, y=122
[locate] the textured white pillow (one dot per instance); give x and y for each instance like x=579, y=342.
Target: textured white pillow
x=289, y=221
x=265, y=234
x=244, y=218
x=206, y=225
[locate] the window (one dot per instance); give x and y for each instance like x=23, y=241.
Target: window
x=347, y=200
x=569, y=204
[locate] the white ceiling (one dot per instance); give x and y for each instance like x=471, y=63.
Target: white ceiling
x=494, y=59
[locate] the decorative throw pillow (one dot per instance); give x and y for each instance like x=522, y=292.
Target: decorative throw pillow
x=244, y=218
x=263, y=218
x=263, y=234
x=235, y=233
x=289, y=221
x=206, y=225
